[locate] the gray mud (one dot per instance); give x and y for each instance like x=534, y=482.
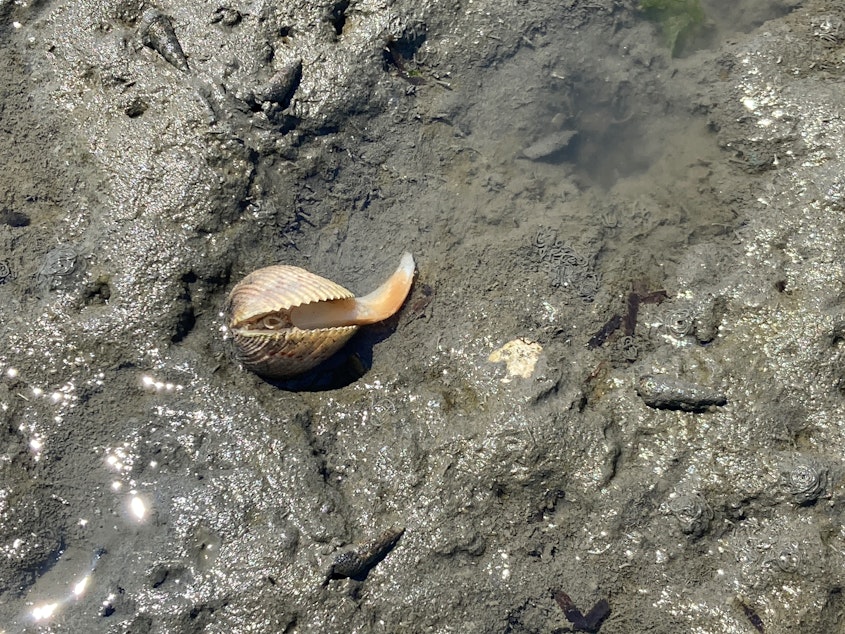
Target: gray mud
x=619, y=375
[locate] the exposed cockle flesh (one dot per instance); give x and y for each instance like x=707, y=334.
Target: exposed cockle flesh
x=285, y=320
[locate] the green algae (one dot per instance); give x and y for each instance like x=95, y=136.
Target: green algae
x=679, y=20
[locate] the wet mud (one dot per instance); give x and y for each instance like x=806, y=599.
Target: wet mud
x=612, y=402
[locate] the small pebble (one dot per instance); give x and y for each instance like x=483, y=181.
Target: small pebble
x=662, y=391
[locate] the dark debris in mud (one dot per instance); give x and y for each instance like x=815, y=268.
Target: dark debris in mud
x=589, y=622
x=357, y=563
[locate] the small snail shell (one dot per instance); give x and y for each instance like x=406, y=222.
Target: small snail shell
x=285, y=320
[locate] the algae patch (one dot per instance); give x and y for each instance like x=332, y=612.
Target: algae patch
x=679, y=20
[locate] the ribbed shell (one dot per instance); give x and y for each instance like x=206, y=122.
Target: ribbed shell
x=286, y=352
x=275, y=289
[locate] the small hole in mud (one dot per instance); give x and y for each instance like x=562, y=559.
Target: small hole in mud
x=14, y=218
x=184, y=324
x=227, y=16
x=338, y=16
x=780, y=286
x=98, y=293
x=187, y=318
x=135, y=107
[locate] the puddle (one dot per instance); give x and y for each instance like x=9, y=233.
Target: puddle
x=612, y=157
x=619, y=132
x=730, y=17
x=619, y=128
x=650, y=177
x=689, y=25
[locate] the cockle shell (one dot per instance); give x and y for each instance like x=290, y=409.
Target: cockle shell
x=285, y=320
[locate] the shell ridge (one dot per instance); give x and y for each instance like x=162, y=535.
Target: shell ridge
x=278, y=288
